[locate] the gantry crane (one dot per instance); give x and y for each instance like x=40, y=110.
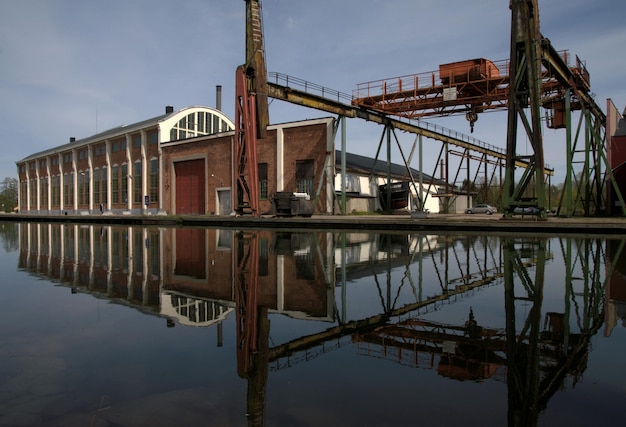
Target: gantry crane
x=535, y=76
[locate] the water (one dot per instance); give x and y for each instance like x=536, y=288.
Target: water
x=134, y=326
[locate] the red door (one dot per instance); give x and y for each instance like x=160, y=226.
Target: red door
x=190, y=187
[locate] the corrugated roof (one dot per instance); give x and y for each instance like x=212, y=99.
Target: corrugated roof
x=119, y=130
x=365, y=165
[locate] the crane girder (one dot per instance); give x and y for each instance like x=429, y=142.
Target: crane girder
x=305, y=99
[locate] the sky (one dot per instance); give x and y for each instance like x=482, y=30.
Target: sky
x=75, y=68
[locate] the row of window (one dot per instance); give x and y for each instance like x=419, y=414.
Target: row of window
x=304, y=178
x=119, y=186
x=98, y=150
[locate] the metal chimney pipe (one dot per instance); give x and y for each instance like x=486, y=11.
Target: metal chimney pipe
x=218, y=98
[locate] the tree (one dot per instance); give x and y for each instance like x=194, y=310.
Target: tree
x=8, y=194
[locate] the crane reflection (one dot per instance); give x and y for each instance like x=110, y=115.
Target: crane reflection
x=199, y=277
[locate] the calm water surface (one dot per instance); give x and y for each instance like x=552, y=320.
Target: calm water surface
x=134, y=326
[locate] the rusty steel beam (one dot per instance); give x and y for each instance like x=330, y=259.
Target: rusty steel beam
x=305, y=99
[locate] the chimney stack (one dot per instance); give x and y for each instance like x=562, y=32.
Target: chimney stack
x=72, y=139
x=169, y=109
x=218, y=98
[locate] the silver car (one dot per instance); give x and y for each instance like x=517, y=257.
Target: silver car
x=482, y=208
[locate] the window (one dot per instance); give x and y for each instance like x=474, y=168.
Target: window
x=353, y=184
x=33, y=193
x=304, y=176
x=209, y=123
x=100, y=150
x=118, y=145
x=71, y=187
x=263, y=181
x=153, y=137
x=137, y=183
x=56, y=190
x=104, y=185
x=137, y=141
x=115, y=189
x=124, y=179
x=68, y=189
x=81, y=187
x=191, y=125
x=96, y=186
x=154, y=180
x=23, y=193
x=86, y=194
x=201, y=121
x=43, y=192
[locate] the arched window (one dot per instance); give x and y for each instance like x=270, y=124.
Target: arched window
x=199, y=123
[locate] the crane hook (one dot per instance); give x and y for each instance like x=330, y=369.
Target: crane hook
x=471, y=117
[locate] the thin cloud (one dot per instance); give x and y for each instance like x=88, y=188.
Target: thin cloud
x=69, y=68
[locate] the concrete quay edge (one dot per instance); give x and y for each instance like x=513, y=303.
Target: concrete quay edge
x=386, y=223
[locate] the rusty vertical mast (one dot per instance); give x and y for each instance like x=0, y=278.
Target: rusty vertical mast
x=251, y=114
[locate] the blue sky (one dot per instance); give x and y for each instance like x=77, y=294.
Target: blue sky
x=75, y=68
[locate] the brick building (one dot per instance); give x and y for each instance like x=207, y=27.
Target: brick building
x=296, y=157
x=616, y=130
x=176, y=163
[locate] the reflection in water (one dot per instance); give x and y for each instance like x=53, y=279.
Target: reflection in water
x=197, y=277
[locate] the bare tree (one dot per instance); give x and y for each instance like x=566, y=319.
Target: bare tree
x=8, y=194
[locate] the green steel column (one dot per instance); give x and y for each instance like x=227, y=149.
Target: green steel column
x=421, y=196
x=587, y=170
x=568, y=145
x=343, y=165
x=525, y=92
x=388, y=210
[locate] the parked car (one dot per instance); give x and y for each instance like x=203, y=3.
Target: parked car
x=529, y=210
x=482, y=208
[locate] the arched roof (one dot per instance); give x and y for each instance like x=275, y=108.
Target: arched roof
x=194, y=121
x=213, y=121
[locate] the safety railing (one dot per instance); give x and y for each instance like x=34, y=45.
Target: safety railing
x=308, y=87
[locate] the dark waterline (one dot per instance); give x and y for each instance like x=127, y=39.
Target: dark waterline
x=146, y=326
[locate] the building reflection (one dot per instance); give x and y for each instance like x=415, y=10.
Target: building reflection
x=185, y=275
x=199, y=277
x=616, y=288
